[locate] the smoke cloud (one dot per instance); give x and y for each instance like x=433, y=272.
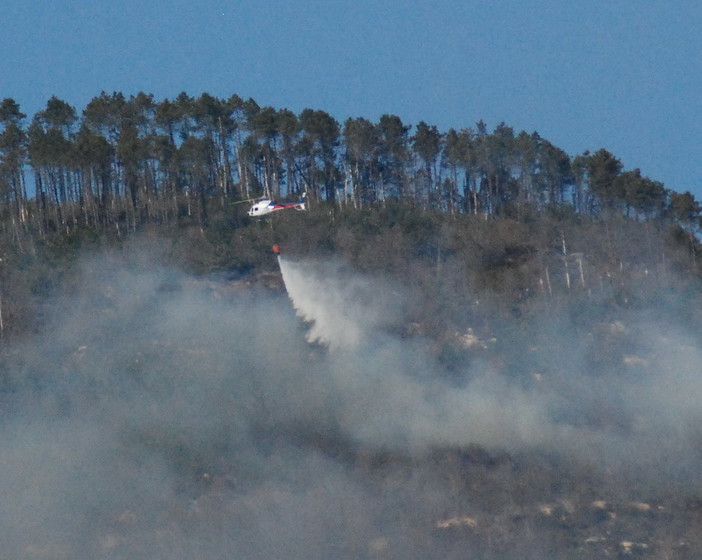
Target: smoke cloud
x=394, y=393
x=164, y=416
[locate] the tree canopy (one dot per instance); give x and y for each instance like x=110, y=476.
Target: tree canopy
x=127, y=161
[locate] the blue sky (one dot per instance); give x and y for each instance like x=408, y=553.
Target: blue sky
x=623, y=75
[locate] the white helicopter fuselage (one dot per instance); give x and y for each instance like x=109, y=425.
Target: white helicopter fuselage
x=266, y=206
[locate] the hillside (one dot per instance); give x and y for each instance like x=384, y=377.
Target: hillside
x=414, y=384
x=472, y=344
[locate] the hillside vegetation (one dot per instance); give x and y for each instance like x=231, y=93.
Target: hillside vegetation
x=517, y=372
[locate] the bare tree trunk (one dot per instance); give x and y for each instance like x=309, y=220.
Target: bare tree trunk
x=565, y=260
x=2, y=324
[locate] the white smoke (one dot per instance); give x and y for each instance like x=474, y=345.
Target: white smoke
x=392, y=393
x=163, y=416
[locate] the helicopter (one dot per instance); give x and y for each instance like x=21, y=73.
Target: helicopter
x=265, y=206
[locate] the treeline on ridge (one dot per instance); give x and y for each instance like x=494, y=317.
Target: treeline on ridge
x=124, y=162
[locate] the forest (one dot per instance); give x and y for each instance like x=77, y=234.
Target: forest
x=125, y=162
x=472, y=345
x=128, y=164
